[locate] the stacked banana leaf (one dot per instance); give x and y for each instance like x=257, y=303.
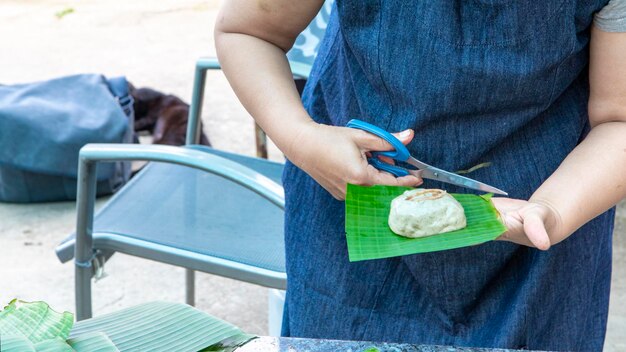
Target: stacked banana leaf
x=156, y=326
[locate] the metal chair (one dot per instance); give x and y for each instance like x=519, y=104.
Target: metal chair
x=192, y=206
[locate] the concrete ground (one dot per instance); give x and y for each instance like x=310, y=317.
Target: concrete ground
x=154, y=44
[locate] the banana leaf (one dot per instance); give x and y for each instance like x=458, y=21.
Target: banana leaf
x=156, y=326
x=369, y=236
x=97, y=342
x=14, y=343
x=54, y=345
x=93, y=342
x=35, y=321
x=163, y=326
x=34, y=326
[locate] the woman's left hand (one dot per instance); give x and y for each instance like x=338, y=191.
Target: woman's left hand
x=528, y=223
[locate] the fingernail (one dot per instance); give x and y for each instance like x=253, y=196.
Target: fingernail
x=404, y=133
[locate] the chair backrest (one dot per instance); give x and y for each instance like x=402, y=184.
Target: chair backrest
x=307, y=44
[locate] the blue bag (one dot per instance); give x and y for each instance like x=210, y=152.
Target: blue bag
x=43, y=125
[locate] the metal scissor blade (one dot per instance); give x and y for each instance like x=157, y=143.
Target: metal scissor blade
x=434, y=173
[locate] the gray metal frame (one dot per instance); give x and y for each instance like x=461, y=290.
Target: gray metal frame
x=298, y=69
x=87, y=242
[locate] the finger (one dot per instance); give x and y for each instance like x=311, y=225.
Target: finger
x=535, y=230
x=368, y=141
x=337, y=192
x=415, y=173
x=338, y=195
x=341, y=191
x=405, y=136
x=386, y=159
x=409, y=181
x=331, y=186
x=521, y=240
x=377, y=177
x=372, y=142
x=514, y=226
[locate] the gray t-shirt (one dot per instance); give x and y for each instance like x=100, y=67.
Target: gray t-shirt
x=612, y=17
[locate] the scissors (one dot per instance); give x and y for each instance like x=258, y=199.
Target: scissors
x=401, y=153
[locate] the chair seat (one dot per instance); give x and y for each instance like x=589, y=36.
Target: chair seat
x=197, y=212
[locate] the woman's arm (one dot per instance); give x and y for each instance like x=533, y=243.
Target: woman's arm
x=252, y=37
x=593, y=176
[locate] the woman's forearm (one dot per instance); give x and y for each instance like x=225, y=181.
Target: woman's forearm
x=589, y=181
x=251, y=38
x=260, y=76
x=593, y=176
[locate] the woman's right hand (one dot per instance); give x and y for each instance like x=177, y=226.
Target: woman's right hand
x=335, y=156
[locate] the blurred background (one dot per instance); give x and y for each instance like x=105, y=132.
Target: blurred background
x=154, y=44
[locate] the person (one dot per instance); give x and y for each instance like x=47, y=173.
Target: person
x=535, y=88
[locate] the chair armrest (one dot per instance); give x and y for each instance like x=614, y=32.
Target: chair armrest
x=228, y=169
x=208, y=63
x=299, y=69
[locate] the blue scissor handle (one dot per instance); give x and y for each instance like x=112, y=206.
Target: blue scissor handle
x=399, y=153
x=382, y=166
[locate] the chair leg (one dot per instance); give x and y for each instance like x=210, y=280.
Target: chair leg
x=83, y=248
x=83, y=293
x=190, y=283
x=261, y=142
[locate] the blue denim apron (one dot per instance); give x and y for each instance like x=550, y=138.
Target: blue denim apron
x=498, y=81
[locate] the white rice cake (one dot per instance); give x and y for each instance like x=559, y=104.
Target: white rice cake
x=425, y=212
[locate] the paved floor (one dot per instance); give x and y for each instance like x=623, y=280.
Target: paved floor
x=154, y=44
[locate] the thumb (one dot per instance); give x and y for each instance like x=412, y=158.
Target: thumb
x=405, y=136
x=372, y=142
x=535, y=230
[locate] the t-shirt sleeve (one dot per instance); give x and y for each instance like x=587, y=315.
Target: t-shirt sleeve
x=612, y=17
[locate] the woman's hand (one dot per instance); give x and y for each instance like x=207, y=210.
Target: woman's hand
x=335, y=156
x=529, y=223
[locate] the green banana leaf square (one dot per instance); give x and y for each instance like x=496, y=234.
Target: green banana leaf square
x=369, y=236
